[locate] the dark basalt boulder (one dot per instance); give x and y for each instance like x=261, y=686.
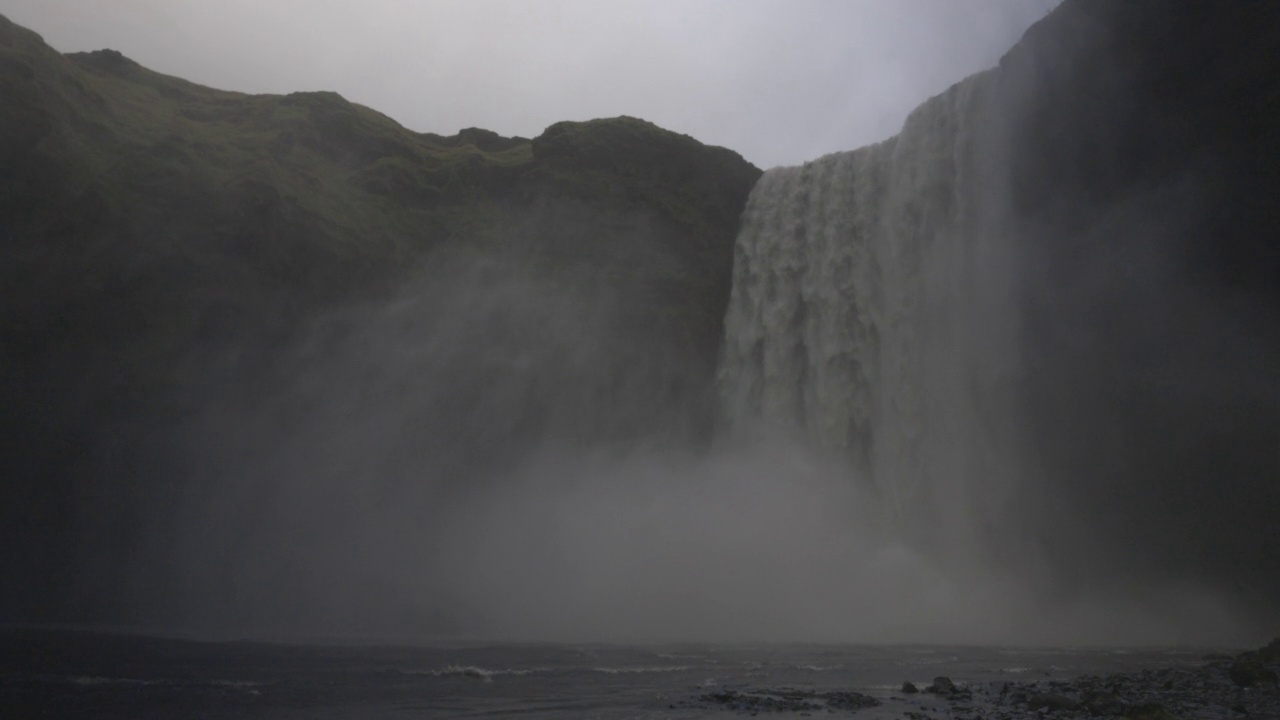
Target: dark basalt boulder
x=942, y=685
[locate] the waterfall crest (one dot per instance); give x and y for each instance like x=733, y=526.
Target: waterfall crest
x=870, y=307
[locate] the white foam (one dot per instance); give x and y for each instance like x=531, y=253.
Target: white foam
x=475, y=672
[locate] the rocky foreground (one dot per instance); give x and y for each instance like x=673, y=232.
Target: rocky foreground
x=1237, y=688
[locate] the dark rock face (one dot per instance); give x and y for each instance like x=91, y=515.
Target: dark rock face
x=1143, y=162
x=1250, y=669
x=167, y=248
x=1271, y=651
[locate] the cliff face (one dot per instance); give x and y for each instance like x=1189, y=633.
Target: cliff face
x=1143, y=171
x=166, y=248
x=1042, y=320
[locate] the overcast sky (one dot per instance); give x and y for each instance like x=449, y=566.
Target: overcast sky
x=780, y=81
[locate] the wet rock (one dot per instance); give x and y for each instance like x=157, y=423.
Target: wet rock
x=763, y=700
x=1250, y=669
x=1206, y=692
x=1171, y=693
x=1048, y=702
x=942, y=685
x=1150, y=711
x=1271, y=653
x=787, y=700
x=848, y=700
x=1102, y=703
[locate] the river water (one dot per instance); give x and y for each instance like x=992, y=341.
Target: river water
x=77, y=674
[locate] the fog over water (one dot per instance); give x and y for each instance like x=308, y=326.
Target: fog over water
x=947, y=410
x=443, y=466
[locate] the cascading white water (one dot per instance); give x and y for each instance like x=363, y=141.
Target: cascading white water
x=872, y=306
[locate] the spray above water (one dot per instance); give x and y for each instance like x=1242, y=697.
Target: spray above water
x=504, y=452
x=875, y=313
x=443, y=465
x=908, y=308
x=1006, y=377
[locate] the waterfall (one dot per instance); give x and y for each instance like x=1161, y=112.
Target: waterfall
x=871, y=305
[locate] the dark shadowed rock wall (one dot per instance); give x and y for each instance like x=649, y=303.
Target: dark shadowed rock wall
x=1145, y=167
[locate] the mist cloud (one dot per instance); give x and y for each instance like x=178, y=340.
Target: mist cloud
x=405, y=480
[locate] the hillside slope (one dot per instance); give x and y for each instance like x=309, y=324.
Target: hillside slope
x=166, y=246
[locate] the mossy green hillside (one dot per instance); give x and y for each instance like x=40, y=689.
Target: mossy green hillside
x=151, y=227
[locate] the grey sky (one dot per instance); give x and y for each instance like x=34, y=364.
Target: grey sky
x=780, y=81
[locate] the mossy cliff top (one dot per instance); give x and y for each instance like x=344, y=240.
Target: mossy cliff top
x=350, y=185
x=163, y=245
x=115, y=176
